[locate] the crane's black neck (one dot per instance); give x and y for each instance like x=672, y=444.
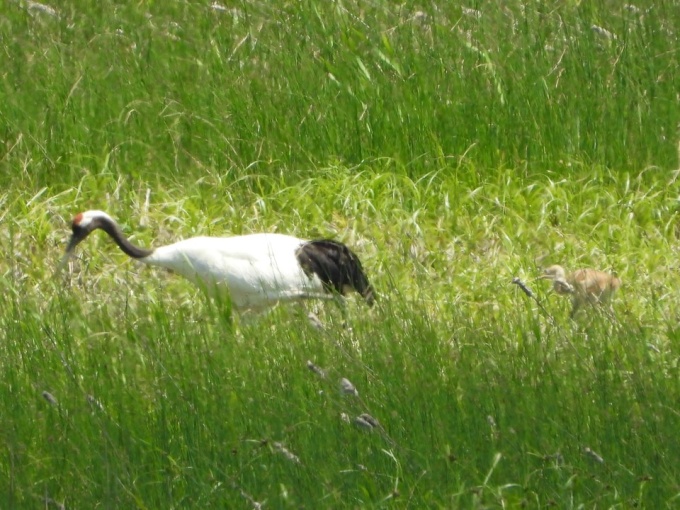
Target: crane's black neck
x=111, y=228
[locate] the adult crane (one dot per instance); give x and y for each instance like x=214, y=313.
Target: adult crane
x=255, y=271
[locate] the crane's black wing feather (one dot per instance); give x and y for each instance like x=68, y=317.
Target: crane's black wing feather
x=338, y=268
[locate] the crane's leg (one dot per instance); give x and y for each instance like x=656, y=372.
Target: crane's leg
x=575, y=306
x=341, y=302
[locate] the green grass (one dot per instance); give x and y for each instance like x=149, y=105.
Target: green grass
x=452, y=149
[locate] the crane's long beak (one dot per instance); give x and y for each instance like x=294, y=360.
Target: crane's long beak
x=72, y=243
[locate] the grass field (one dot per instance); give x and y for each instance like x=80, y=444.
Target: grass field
x=453, y=148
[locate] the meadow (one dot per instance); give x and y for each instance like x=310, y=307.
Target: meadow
x=453, y=147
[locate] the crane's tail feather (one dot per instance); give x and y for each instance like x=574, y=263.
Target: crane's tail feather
x=338, y=268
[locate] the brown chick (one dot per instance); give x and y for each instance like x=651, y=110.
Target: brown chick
x=584, y=285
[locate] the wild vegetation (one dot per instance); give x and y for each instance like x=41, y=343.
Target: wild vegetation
x=453, y=147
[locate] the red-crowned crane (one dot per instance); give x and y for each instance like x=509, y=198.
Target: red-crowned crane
x=583, y=285
x=256, y=271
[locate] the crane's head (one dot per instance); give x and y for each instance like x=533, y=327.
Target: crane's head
x=553, y=273
x=83, y=224
x=559, y=278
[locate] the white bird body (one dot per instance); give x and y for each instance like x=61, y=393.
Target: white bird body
x=256, y=271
